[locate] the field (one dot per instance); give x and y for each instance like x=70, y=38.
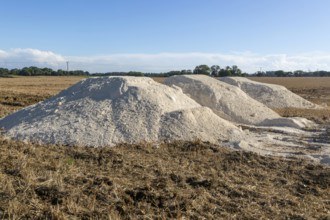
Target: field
x=181, y=180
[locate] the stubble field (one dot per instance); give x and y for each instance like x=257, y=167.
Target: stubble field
x=181, y=180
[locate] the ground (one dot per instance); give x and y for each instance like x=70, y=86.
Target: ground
x=181, y=180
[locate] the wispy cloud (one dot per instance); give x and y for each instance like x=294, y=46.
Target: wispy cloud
x=161, y=62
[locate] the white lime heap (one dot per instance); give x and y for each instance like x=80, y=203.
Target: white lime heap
x=273, y=96
x=110, y=110
x=230, y=102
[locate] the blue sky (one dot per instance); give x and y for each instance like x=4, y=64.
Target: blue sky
x=161, y=35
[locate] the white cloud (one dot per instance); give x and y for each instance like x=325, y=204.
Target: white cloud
x=17, y=58
x=162, y=62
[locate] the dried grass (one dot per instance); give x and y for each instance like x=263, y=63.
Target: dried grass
x=189, y=180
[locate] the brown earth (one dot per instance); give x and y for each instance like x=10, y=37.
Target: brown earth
x=181, y=180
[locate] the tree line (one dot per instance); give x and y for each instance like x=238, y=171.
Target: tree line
x=36, y=71
x=214, y=70
x=297, y=73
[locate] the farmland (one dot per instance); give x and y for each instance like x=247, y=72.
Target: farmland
x=189, y=180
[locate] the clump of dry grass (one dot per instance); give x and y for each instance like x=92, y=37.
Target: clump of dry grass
x=189, y=180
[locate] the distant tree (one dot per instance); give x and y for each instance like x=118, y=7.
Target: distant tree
x=260, y=73
x=298, y=73
x=202, y=69
x=173, y=72
x=61, y=72
x=186, y=72
x=236, y=71
x=229, y=71
x=215, y=70
x=4, y=71
x=26, y=71
x=279, y=73
x=323, y=73
x=14, y=71
x=134, y=73
x=47, y=71
x=222, y=73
